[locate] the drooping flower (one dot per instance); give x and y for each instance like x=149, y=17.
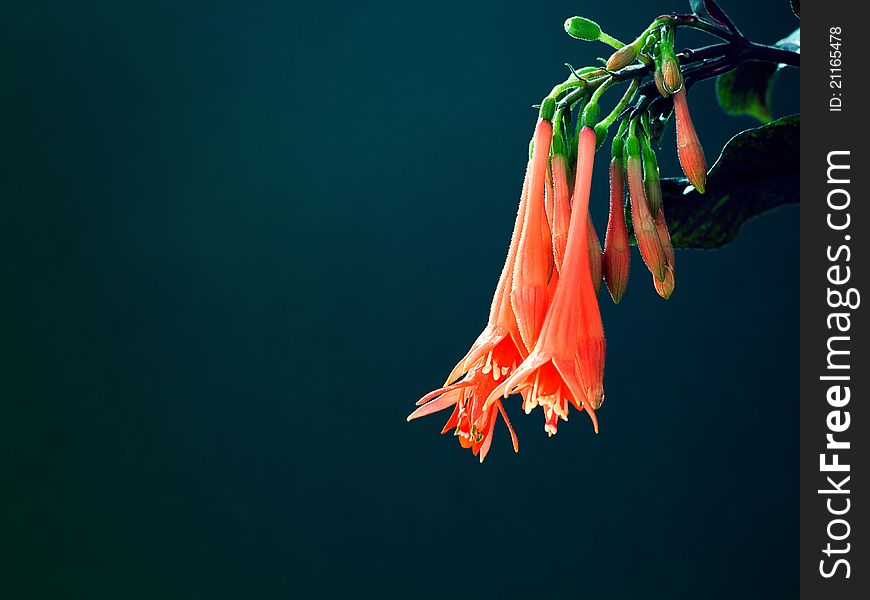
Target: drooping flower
x=498, y=349
x=567, y=362
x=689, y=148
x=472, y=424
x=532, y=267
x=644, y=227
x=617, y=255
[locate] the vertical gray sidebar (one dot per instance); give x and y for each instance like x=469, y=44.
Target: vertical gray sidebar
x=834, y=263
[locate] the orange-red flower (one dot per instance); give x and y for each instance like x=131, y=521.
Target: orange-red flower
x=498, y=349
x=472, y=423
x=689, y=148
x=567, y=362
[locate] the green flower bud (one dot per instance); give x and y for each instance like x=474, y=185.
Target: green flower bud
x=600, y=135
x=590, y=115
x=558, y=141
x=582, y=28
x=548, y=108
x=617, y=148
x=632, y=146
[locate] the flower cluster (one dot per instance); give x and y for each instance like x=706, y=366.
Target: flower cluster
x=544, y=340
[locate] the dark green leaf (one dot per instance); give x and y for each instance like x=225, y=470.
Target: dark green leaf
x=747, y=89
x=756, y=172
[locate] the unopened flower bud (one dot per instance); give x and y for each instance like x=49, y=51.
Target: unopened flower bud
x=644, y=227
x=688, y=146
x=665, y=287
x=582, y=28
x=672, y=78
x=622, y=57
x=660, y=83
x=617, y=255
x=561, y=208
x=600, y=135
x=594, y=253
x=548, y=108
x=590, y=115
x=651, y=179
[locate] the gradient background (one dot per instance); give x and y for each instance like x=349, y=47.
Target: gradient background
x=240, y=239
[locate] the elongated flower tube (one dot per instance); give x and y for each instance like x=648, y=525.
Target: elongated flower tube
x=472, y=424
x=567, y=362
x=644, y=228
x=688, y=146
x=561, y=208
x=594, y=253
x=617, y=254
x=665, y=287
x=529, y=295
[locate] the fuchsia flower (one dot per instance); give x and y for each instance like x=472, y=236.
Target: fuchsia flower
x=472, y=423
x=567, y=362
x=688, y=145
x=544, y=339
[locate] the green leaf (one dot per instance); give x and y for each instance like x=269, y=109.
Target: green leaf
x=757, y=171
x=747, y=89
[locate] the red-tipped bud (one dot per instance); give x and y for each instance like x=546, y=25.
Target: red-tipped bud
x=622, y=58
x=594, y=254
x=617, y=255
x=688, y=146
x=665, y=288
x=644, y=228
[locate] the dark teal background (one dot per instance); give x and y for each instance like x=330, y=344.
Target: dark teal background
x=239, y=240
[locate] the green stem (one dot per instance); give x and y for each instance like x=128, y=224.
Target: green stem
x=610, y=41
x=620, y=106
